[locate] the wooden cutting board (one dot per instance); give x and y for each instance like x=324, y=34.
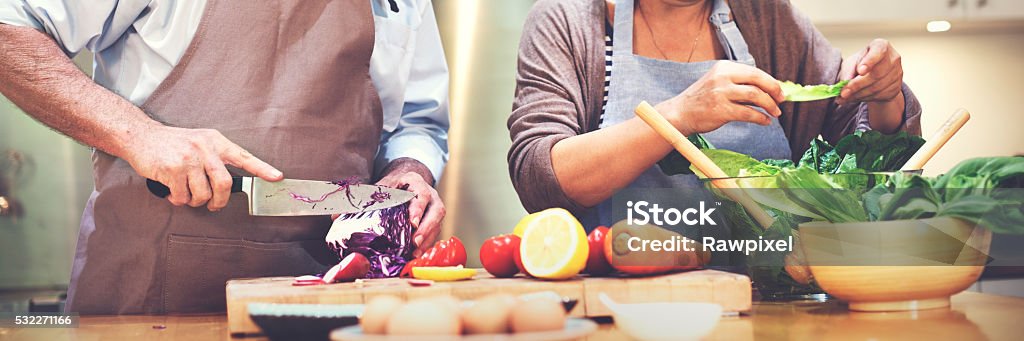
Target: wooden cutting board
x=730, y=290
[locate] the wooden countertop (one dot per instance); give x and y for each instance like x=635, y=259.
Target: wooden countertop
x=972, y=316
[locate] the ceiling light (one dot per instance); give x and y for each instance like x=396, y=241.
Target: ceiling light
x=939, y=26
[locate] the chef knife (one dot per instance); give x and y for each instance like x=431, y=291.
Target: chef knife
x=290, y=197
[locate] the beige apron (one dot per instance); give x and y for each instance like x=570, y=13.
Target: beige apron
x=287, y=80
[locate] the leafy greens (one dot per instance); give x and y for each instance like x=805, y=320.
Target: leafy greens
x=984, y=191
x=806, y=93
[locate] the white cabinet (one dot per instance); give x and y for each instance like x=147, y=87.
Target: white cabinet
x=876, y=11
x=846, y=12
x=981, y=10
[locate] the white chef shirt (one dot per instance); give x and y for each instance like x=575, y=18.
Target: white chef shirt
x=137, y=42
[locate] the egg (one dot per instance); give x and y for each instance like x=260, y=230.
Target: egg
x=376, y=313
x=489, y=315
x=537, y=315
x=450, y=302
x=429, y=316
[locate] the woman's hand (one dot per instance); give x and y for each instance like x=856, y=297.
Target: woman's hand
x=723, y=95
x=876, y=78
x=875, y=74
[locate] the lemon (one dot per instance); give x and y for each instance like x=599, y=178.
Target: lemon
x=521, y=226
x=443, y=273
x=554, y=245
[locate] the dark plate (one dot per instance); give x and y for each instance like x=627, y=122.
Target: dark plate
x=303, y=321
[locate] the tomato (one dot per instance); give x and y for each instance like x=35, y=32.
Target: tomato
x=449, y=252
x=596, y=263
x=407, y=270
x=497, y=254
x=519, y=262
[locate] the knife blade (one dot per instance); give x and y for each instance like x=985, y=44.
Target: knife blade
x=292, y=197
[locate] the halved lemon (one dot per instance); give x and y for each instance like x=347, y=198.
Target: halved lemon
x=554, y=245
x=521, y=225
x=443, y=273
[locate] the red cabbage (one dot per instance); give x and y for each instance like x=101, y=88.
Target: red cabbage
x=383, y=236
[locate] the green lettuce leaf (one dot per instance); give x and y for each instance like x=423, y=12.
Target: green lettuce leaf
x=734, y=164
x=806, y=93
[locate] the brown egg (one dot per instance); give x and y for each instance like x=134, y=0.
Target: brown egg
x=489, y=315
x=377, y=311
x=429, y=316
x=537, y=315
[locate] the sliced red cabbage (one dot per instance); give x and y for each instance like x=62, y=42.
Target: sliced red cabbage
x=383, y=236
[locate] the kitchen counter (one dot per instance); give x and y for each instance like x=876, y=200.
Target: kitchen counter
x=973, y=316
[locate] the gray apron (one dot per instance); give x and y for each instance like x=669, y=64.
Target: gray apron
x=287, y=80
x=636, y=78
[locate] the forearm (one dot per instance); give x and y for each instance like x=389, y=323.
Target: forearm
x=591, y=167
x=37, y=77
x=886, y=117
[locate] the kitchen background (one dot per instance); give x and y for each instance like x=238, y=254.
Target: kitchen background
x=972, y=60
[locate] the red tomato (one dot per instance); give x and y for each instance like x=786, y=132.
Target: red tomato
x=407, y=270
x=519, y=262
x=449, y=252
x=597, y=264
x=455, y=252
x=497, y=254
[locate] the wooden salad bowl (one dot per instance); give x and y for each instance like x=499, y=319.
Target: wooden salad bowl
x=895, y=265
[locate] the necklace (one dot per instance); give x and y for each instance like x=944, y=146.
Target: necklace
x=650, y=32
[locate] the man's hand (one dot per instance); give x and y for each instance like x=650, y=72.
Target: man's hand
x=36, y=75
x=425, y=210
x=191, y=162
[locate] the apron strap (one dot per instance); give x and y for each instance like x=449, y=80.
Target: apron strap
x=732, y=40
x=622, y=41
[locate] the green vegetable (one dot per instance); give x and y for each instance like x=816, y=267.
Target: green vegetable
x=734, y=164
x=675, y=163
x=829, y=181
x=879, y=152
x=860, y=152
x=983, y=191
x=800, y=93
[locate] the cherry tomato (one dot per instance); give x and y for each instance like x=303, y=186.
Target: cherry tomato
x=497, y=254
x=519, y=261
x=449, y=252
x=597, y=264
x=407, y=269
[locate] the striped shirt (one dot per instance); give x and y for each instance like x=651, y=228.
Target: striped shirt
x=607, y=67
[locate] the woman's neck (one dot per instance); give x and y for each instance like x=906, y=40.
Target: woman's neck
x=675, y=30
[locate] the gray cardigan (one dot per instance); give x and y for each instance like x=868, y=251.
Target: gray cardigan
x=560, y=85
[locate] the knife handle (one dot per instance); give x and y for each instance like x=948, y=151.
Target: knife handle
x=161, y=191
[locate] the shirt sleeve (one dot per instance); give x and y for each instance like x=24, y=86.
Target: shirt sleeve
x=75, y=25
x=422, y=131
x=549, y=104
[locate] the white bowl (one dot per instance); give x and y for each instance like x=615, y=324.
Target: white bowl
x=665, y=320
